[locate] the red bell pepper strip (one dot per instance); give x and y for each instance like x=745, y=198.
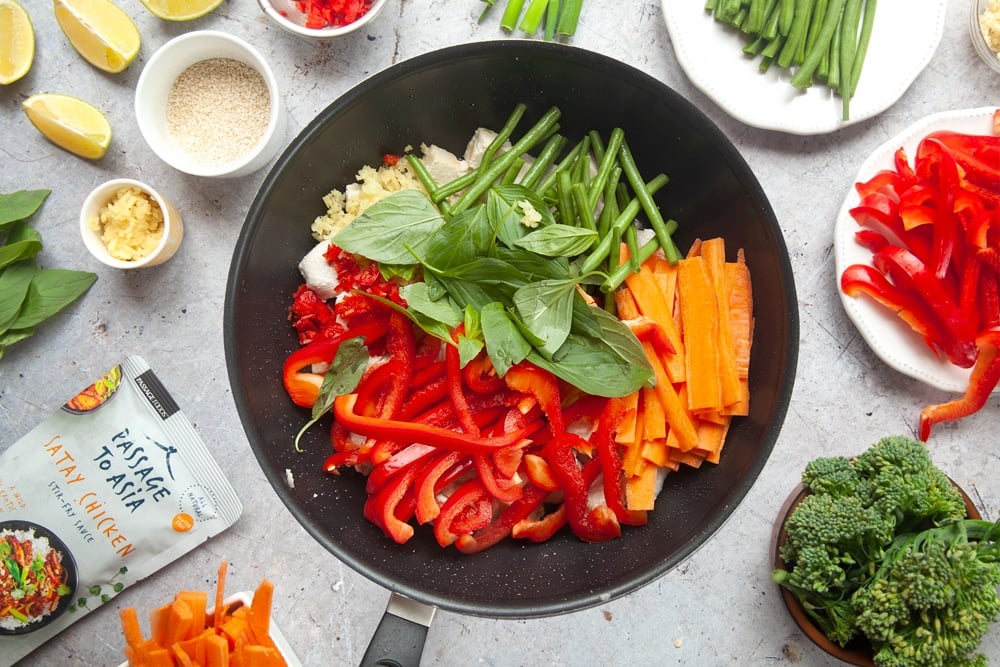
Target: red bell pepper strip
x=501, y=526
x=982, y=381
x=467, y=509
x=506, y=490
x=508, y=459
x=860, y=279
x=303, y=386
x=611, y=463
x=539, y=473
x=909, y=273
x=542, y=528
x=407, y=432
x=455, y=389
x=381, y=508
x=480, y=376
x=415, y=454
x=591, y=525
x=544, y=387
x=426, y=485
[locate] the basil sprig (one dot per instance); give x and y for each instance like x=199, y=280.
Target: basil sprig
x=29, y=295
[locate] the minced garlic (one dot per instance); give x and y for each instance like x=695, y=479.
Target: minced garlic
x=130, y=224
x=989, y=23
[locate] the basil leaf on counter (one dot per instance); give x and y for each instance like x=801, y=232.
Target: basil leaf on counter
x=20, y=205
x=50, y=291
x=22, y=242
x=14, y=283
x=394, y=230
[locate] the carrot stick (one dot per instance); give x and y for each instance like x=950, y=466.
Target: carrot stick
x=179, y=622
x=654, y=420
x=680, y=421
x=627, y=429
x=714, y=252
x=220, y=595
x=653, y=304
x=699, y=312
x=260, y=612
x=640, y=489
x=130, y=627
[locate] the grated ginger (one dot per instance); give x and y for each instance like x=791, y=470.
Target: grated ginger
x=130, y=224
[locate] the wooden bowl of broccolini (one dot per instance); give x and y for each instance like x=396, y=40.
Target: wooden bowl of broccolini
x=882, y=557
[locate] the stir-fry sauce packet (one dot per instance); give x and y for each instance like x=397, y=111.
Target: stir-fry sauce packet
x=104, y=492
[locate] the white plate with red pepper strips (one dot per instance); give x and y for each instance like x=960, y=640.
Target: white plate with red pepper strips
x=885, y=332
x=903, y=40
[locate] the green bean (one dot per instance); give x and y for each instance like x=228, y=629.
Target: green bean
x=625, y=217
x=867, y=25
x=567, y=163
x=642, y=193
x=564, y=198
x=803, y=77
x=618, y=276
x=609, y=211
x=486, y=177
x=510, y=176
x=848, y=51
x=797, y=33
x=607, y=163
x=544, y=160
x=503, y=135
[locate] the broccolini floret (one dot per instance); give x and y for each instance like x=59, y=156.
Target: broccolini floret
x=879, y=547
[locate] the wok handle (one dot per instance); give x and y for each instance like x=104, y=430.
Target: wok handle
x=400, y=635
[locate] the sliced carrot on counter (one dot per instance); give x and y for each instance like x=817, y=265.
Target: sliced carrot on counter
x=184, y=633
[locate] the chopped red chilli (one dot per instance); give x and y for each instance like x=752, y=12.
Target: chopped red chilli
x=332, y=13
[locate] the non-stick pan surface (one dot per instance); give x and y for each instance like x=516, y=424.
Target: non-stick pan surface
x=441, y=98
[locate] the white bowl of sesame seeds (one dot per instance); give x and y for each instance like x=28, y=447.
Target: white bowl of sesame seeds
x=208, y=104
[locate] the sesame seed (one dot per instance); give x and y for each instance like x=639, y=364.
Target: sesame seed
x=218, y=110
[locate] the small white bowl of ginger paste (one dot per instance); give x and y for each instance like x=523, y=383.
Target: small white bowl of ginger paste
x=127, y=224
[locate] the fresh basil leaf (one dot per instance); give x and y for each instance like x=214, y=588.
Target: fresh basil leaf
x=468, y=349
x=466, y=293
x=430, y=325
x=546, y=308
x=20, y=205
x=23, y=242
x=417, y=296
x=14, y=282
x=534, y=266
x=394, y=230
x=593, y=367
x=486, y=270
x=504, y=342
x=50, y=291
x=460, y=240
x=514, y=194
x=558, y=241
x=585, y=319
x=505, y=218
x=342, y=377
x=620, y=338
x=472, y=323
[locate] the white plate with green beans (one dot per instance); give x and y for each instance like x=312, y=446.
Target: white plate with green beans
x=786, y=64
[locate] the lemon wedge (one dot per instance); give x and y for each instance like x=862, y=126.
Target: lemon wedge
x=70, y=123
x=180, y=10
x=100, y=31
x=17, y=41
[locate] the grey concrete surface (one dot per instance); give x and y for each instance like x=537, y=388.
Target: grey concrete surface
x=718, y=606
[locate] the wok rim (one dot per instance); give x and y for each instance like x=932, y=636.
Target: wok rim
x=514, y=609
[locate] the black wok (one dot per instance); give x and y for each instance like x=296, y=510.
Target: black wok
x=441, y=97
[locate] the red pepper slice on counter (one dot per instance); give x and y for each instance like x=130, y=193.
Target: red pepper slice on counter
x=982, y=381
x=863, y=279
x=303, y=386
x=408, y=432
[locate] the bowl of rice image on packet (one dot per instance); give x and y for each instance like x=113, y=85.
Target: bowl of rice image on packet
x=105, y=491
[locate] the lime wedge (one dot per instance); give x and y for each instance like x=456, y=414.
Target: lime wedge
x=70, y=123
x=17, y=41
x=180, y=10
x=100, y=31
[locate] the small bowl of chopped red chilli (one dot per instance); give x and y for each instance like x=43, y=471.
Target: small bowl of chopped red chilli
x=208, y=104
x=322, y=19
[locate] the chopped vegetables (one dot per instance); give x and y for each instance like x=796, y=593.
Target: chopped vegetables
x=506, y=358
x=931, y=227
x=332, y=13
x=186, y=631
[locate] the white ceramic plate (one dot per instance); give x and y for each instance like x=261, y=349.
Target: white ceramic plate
x=904, y=38
x=888, y=336
x=246, y=597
